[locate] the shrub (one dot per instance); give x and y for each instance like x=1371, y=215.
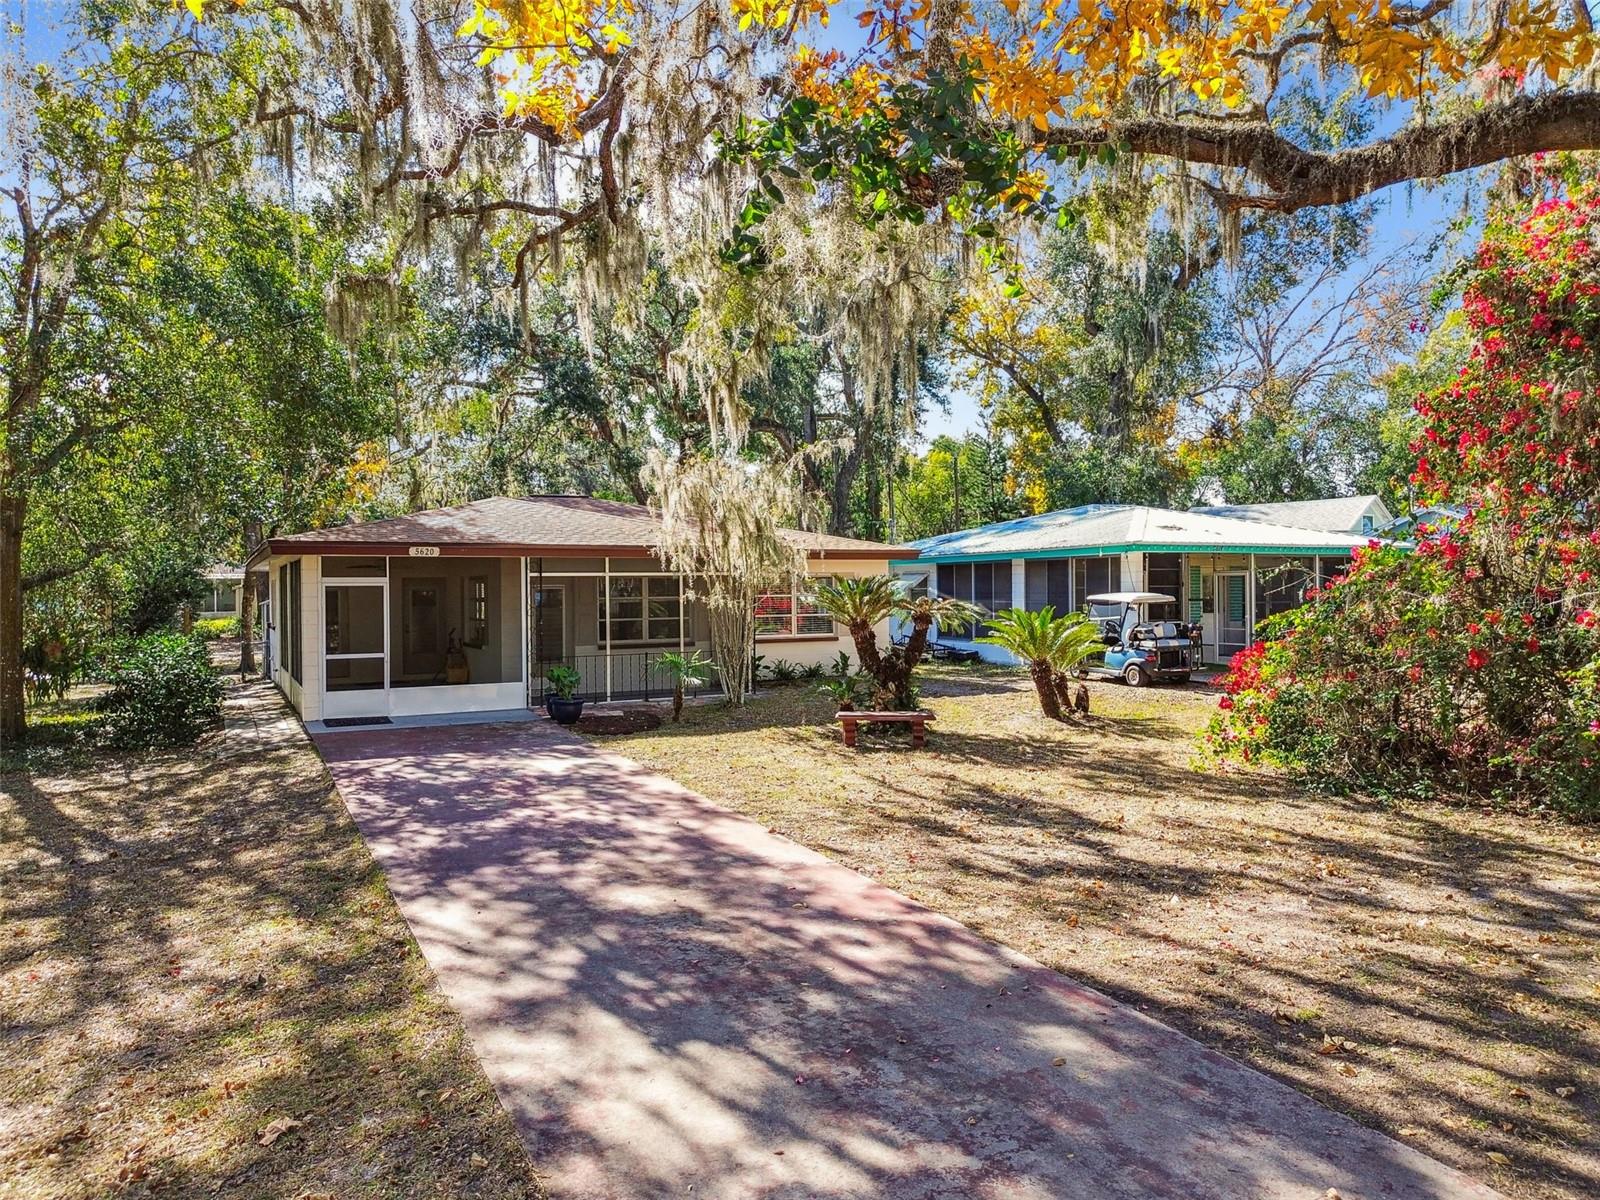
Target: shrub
x=164, y=693
x=1470, y=663
x=212, y=628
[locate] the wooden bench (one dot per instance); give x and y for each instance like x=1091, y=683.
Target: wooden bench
x=851, y=719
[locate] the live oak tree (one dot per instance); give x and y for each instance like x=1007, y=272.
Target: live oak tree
x=106, y=146
x=944, y=103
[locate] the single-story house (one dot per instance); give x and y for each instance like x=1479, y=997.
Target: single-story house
x=1226, y=573
x=464, y=609
x=224, y=586
x=1359, y=516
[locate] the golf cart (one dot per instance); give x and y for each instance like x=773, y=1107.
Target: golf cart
x=1139, y=650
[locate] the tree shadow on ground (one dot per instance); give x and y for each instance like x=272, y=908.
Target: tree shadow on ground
x=1452, y=949
x=691, y=1000
x=196, y=944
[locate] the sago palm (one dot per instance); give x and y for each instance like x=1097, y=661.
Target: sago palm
x=862, y=603
x=1051, y=646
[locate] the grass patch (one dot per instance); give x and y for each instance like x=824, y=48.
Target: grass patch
x=206, y=989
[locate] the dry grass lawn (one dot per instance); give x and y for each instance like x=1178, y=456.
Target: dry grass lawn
x=1434, y=972
x=206, y=989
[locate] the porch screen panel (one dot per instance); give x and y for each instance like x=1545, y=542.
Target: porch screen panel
x=986, y=584
x=354, y=620
x=1329, y=569
x=1280, y=585
x=293, y=626
x=1164, y=573
x=280, y=617
x=1048, y=582
x=1093, y=576
x=453, y=622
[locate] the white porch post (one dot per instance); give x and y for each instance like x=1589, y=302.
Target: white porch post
x=1250, y=598
x=683, y=614
x=605, y=611
x=1019, y=583
x=527, y=649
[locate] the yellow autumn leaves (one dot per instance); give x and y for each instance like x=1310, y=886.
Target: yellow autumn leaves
x=539, y=47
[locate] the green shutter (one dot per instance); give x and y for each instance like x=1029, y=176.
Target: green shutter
x=1197, y=604
x=1236, y=598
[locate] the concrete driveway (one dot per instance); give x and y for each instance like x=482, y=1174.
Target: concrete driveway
x=673, y=1002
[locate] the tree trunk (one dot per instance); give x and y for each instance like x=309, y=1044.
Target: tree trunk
x=1044, y=683
x=1061, y=682
x=13, y=713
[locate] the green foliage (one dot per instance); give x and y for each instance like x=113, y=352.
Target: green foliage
x=155, y=587
x=211, y=629
x=811, y=147
x=164, y=693
x=693, y=669
x=955, y=484
x=863, y=602
x=1051, y=646
x=1059, y=642
x=846, y=690
x=1470, y=663
x=781, y=670
x=564, y=681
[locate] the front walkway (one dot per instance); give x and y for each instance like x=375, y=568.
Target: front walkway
x=674, y=1002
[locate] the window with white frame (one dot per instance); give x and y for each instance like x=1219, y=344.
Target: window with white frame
x=640, y=608
x=793, y=613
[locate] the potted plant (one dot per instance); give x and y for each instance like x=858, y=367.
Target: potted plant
x=564, y=706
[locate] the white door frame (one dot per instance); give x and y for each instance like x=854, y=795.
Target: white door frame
x=1220, y=603
x=365, y=702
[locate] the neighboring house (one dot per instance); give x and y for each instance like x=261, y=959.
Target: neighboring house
x=1359, y=516
x=1226, y=573
x=224, y=585
x=1437, y=517
x=463, y=609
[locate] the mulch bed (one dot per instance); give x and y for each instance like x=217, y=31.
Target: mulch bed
x=641, y=718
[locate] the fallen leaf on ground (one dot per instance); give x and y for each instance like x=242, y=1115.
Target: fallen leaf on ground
x=1495, y=1156
x=274, y=1130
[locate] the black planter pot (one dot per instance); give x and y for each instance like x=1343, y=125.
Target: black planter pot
x=563, y=712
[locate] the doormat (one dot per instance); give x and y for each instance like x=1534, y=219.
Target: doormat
x=346, y=722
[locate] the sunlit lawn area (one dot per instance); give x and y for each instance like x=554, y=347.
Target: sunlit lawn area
x=1433, y=971
x=206, y=989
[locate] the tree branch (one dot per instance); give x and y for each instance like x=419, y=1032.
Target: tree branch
x=1297, y=178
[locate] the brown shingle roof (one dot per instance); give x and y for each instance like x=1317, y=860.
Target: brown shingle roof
x=532, y=525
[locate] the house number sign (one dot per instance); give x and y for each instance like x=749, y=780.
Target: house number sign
x=423, y=552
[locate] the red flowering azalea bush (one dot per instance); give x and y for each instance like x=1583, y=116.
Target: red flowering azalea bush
x=1471, y=662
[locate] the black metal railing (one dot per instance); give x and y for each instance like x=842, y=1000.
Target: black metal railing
x=635, y=675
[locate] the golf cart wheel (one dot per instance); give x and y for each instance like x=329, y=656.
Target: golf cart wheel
x=1135, y=676
x=1080, y=672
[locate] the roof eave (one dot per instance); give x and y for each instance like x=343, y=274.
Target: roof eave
x=328, y=546
x=1129, y=548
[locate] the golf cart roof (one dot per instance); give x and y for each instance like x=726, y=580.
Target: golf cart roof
x=1132, y=598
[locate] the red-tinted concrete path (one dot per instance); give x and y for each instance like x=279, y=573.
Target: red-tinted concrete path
x=673, y=1002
